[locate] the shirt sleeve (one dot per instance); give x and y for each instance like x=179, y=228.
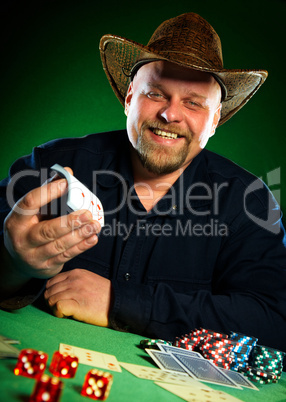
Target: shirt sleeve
x=27, y=295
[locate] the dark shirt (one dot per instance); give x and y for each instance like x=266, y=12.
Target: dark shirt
x=209, y=254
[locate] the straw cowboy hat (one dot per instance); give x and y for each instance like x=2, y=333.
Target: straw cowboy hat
x=187, y=40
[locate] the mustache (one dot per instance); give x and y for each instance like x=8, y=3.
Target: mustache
x=149, y=124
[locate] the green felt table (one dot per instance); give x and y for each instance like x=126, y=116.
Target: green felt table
x=38, y=329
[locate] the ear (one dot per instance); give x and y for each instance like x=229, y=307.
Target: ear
x=215, y=120
x=128, y=98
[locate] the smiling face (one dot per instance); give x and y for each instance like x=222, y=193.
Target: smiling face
x=171, y=113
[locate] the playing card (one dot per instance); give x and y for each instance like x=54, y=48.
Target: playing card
x=165, y=361
x=175, y=349
x=91, y=357
x=8, y=351
x=154, y=374
x=240, y=379
x=204, y=370
x=198, y=392
x=9, y=340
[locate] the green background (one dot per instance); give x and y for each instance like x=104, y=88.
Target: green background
x=52, y=83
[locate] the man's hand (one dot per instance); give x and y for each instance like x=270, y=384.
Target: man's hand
x=80, y=294
x=39, y=248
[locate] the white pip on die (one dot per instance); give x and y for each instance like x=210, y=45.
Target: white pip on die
x=79, y=196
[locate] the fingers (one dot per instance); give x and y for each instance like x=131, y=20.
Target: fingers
x=65, y=308
x=45, y=245
x=54, y=242
x=60, y=296
x=67, y=254
x=41, y=247
x=56, y=176
x=80, y=294
x=78, y=224
x=68, y=169
x=32, y=202
x=51, y=256
x=58, y=279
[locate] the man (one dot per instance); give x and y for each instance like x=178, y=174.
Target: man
x=190, y=239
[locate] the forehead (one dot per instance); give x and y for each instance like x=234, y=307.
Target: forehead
x=171, y=73
x=161, y=69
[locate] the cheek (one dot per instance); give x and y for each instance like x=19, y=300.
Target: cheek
x=133, y=127
x=142, y=108
x=201, y=127
x=206, y=132
x=203, y=140
x=139, y=111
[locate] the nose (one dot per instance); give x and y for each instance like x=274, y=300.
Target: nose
x=171, y=112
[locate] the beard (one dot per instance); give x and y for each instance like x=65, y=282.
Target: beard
x=157, y=158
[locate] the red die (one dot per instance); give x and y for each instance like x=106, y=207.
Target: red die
x=47, y=389
x=63, y=365
x=97, y=385
x=31, y=363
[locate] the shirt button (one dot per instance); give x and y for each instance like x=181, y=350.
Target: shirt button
x=127, y=276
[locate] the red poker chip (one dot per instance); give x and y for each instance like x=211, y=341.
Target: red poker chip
x=220, y=349
x=217, y=345
x=218, y=358
x=213, y=345
x=213, y=333
x=220, y=364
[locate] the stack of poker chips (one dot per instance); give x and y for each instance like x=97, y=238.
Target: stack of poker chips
x=213, y=345
x=193, y=340
x=217, y=350
x=188, y=341
x=208, y=332
x=236, y=351
x=266, y=365
x=242, y=348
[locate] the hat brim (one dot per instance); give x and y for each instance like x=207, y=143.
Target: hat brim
x=119, y=55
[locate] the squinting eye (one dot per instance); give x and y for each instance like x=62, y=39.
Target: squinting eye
x=190, y=103
x=155, y=95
